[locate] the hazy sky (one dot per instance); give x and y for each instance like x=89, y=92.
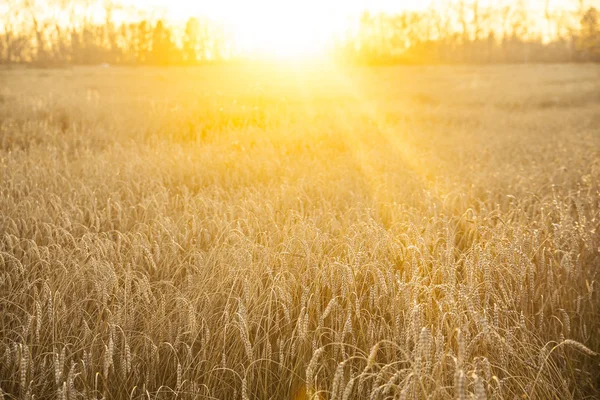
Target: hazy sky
x=232, y=8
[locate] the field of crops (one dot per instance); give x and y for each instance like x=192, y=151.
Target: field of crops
x=253, y=232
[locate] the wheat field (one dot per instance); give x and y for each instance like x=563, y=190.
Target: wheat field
x=252, y=232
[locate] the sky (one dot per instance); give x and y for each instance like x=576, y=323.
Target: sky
x=224, y=9
x=236, y=9
x=302, y=25
x=243, y=12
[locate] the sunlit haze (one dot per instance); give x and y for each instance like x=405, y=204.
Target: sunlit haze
x=281, y=28
x=293, y=30
x=300, y=29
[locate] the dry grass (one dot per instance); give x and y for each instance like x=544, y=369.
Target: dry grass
x=237, y=233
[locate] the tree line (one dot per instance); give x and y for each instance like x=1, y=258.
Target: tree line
x=61, y=32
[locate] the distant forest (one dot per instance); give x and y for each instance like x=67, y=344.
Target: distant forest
x=465, y=31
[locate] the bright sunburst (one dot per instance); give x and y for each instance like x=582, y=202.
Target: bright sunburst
x=284, y=31
x=279, y=28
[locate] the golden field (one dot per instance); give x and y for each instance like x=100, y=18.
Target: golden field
x=253, y=232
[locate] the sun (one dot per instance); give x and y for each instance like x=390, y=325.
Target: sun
x=284, y=31
x=273, y=28
x=281, y=28
x=280, y=38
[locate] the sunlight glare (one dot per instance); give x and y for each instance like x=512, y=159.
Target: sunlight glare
x=280, y=28
x=284, y=32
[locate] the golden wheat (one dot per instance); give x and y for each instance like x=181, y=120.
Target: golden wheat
x=244, y=232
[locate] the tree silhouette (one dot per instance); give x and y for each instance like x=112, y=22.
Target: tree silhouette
x=163, y=51
x=191, y=41
x=589, y=41
x=143, y=42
